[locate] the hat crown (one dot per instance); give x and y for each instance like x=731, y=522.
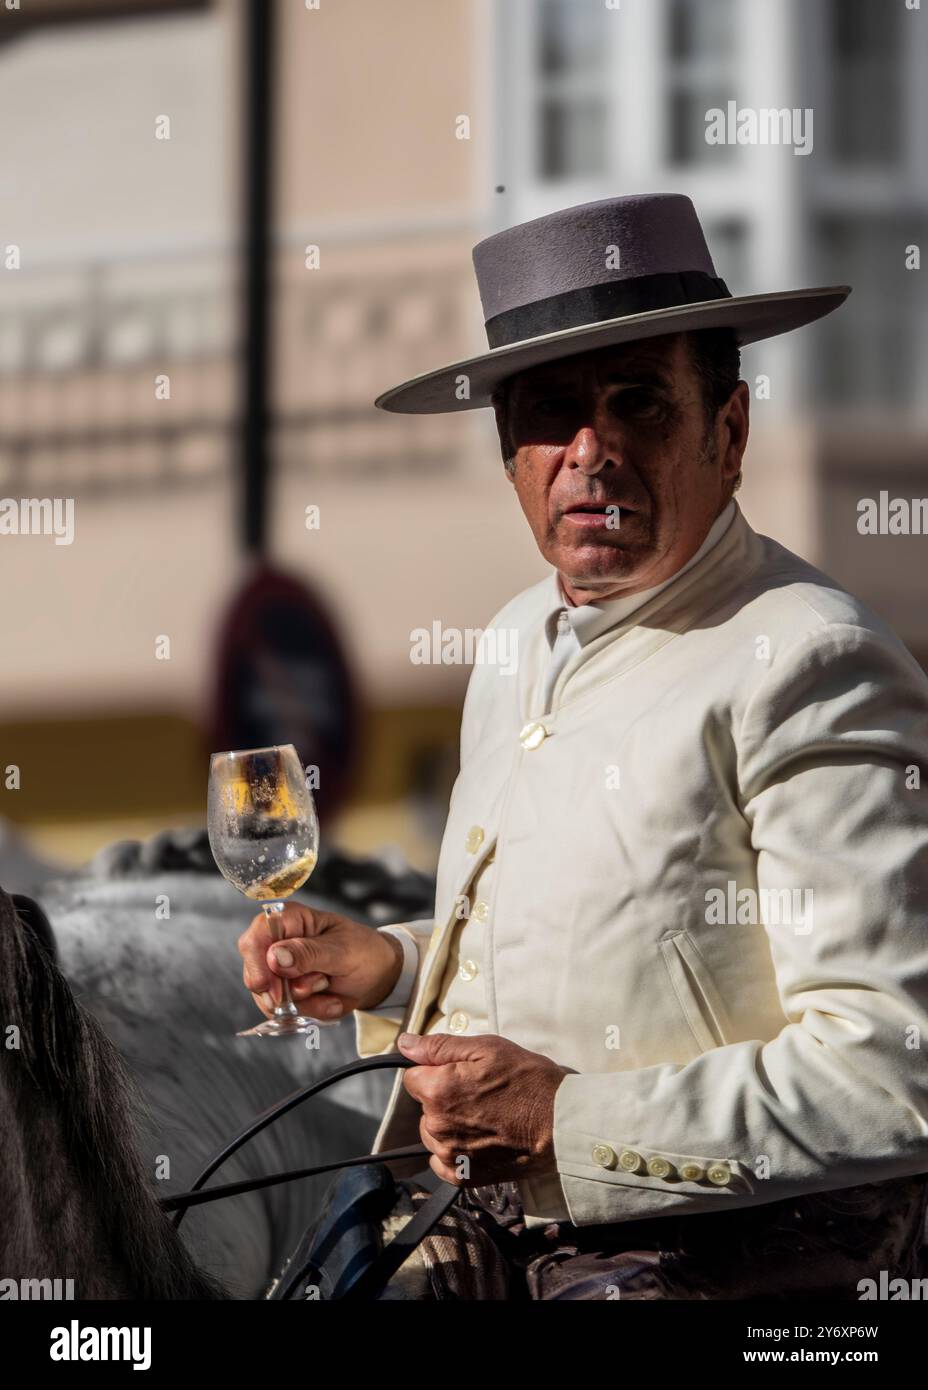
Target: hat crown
x=613, y=239
x=595, y=276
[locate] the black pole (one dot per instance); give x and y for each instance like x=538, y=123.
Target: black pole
x=256, y=352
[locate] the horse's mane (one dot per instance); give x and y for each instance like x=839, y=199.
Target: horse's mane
x=74, y=1195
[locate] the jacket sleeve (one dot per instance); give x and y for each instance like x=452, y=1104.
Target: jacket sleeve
x=376, y=1030
x=401, y=993
x=831, y=751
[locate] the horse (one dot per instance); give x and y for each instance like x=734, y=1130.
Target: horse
x=170, y=994
x=77, y=1201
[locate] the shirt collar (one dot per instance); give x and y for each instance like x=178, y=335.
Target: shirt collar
x=588, y=620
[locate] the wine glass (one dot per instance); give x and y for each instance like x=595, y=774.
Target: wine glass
x=264, y=836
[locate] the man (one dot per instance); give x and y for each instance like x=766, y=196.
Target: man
x=668, y=1017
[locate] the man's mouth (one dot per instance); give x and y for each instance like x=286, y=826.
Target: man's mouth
x=597, y=513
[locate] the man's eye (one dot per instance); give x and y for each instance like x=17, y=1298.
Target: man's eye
x=637, y=400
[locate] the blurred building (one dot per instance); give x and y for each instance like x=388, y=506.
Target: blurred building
x=128, y=270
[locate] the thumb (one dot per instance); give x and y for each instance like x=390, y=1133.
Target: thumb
x=435, y=1049
x=299, y=955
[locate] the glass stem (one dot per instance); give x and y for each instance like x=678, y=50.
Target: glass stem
x=272, y=912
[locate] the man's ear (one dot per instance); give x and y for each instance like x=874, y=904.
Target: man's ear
x=737, y=426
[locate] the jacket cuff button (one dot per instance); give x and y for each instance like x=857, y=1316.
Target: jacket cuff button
x=660, y=1167
x=604, y=1155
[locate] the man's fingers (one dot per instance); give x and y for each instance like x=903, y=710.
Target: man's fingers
x=308, y=985
x=314, y=1005
x=436, y=1163
x=305, y=988
x=322, y=1006
x=444, y=1172
x=264, y=1003
x=295, y=921
x=312, y=995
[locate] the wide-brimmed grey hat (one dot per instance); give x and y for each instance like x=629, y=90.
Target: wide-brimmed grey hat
x=591, y=276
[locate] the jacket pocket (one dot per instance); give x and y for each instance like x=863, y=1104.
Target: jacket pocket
x=699, y=1000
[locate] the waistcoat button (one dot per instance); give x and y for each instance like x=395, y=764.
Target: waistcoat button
x=533, y=736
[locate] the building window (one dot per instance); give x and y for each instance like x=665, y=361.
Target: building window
x=870, y=351
x=701, y=51
x=699, y=28
x=729, y=248
x=864, y=39
x=573, y=111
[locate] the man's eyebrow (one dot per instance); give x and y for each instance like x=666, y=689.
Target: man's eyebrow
x=647, y=373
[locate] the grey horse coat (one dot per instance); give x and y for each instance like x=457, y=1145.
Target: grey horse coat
x=152, y=954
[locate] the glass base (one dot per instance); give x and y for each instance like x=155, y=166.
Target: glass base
x=286, y=1023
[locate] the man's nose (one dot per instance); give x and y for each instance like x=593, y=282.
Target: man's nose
x=589, y=451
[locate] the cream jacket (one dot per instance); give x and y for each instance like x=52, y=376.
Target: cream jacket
x=709, y=896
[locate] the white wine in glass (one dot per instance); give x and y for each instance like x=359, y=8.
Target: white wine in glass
x=264, y=835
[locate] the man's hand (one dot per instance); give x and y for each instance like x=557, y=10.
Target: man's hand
x=485, y=1099
x=333, y=964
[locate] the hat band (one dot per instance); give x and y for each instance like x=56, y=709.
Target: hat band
x=599, y=303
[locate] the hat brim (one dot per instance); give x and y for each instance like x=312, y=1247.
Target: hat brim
x=753, y=317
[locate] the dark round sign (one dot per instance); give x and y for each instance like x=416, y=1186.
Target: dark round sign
x=282, y=677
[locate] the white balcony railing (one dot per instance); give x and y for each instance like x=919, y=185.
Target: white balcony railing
x=89, y=352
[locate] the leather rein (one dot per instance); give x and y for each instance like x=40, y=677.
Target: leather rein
x=370, y=1280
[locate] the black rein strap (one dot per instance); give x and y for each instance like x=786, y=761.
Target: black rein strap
x=370, y=1280
x=235, y=1189
x=195, y=1197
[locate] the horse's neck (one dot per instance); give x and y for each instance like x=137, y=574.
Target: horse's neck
x=53, y=1232
x=74, y=1220
x=77, y=1200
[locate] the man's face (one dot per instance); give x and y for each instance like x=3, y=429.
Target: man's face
x=621, y=427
